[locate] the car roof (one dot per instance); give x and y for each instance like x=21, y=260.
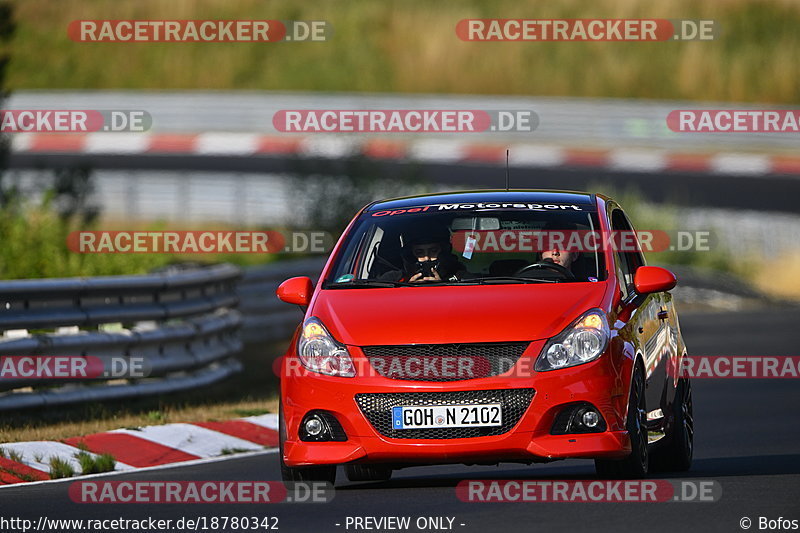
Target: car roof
x=588, y=200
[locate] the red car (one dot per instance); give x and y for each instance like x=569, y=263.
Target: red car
x=484, y=327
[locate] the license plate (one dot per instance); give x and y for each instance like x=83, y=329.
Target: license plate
x=447, y=416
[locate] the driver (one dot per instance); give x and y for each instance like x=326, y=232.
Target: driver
x=426, y=257
x=558, y=255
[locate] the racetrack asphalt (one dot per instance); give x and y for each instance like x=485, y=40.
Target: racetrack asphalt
x=748, y=440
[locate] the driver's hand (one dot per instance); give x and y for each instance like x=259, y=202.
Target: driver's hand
x=417, y=278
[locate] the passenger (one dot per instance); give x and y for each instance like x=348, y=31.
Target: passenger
x=426, y=257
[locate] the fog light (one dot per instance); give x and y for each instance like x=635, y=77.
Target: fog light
x=580, y=417
x=590, y=419
x=321, y=426
x=314, y=426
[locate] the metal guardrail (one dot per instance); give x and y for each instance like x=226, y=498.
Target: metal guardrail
x=183, y=323
x=265, y=317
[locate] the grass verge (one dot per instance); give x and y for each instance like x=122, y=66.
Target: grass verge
x=783, y=282
x=411, y=46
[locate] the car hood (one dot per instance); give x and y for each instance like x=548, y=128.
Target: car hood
x=450, y=314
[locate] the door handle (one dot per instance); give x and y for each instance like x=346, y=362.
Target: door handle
x=663, y=314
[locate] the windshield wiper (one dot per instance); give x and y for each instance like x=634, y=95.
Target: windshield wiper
x=511, y=279
x=366, y=283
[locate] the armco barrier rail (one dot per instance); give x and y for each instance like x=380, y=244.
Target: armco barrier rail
x=265, y=317
x=182, y=323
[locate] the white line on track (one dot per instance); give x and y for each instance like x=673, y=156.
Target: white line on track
x=191, y=439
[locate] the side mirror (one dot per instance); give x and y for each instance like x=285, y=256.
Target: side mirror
x=296, y=291
x=650, y=279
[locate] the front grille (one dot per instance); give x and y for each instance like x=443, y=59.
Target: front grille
x=444, y=362
x=378, y=410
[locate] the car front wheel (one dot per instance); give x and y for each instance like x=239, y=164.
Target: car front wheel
x=676, y=454
x=635, y=466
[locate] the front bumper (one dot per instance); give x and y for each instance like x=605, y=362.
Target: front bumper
x=528, y=440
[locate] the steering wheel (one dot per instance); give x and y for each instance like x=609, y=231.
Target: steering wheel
x=552, y=267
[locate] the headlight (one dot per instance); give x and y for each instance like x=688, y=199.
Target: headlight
x=320, y=352
x=583, y=341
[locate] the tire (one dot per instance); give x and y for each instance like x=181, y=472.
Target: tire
x=675, y=455
x=368, y=472
x=302, y=474
x=636, y=465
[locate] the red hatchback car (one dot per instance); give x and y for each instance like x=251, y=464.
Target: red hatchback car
x=484, y=327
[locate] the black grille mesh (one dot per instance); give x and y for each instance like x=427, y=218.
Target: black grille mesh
x=378, y=410
x=425, y=362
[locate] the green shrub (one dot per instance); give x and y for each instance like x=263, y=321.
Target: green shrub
x=95, y=464
x=34, y=245
x=59, y=468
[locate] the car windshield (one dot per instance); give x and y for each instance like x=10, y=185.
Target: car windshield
x=428, y=245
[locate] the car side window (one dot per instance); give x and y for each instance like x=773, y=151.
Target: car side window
x=621, y=276
x=628, y=260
